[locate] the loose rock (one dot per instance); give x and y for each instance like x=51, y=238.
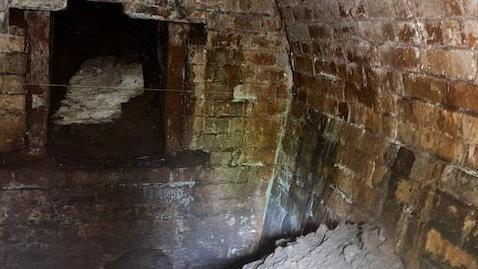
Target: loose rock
x=347, y=247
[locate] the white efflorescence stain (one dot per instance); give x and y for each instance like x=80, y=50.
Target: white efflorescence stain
x=229, y=219
x=175, y=193
x=241, y=94
x=37, y=101
x=99, y=89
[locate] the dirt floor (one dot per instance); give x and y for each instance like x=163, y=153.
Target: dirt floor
x=347, y=247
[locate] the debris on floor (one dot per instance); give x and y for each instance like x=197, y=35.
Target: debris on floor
x=347, y=247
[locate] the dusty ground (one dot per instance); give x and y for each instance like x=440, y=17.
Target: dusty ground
x=347, y=247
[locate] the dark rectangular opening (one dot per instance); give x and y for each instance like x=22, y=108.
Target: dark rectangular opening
x=105, y=54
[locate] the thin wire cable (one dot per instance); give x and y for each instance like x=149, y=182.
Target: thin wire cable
x=135, y=89
x=102, y=87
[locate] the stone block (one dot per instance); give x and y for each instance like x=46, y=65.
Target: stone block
x=383, y=124
x=301, y=13
x=426, y=169
x=258, y=156
x=471, y=156
x=319, y=31
x=386, y=9
x=12, y=120
x=376, y=32
x=216, y=125
x=424, y=87
x=452, y=63
x=13, y=63
x=4, y=16
x=429, y=140
x=13, y=102
x=12, y=43
x=298, y=32
x=304, y=64
x=447, y=252
x=263, y=136
x=3, y=21
x=470, y=33
x=448, y=215
x=399, y=57
x=220, y=158
x=427, y=116
x=261, y=59
x=461, y=184
x=436, y=8
x=339, y=203
x=446, y=32
x=408, y=33
x=11, y=84
x=463, y=96
x=51, y=5
x=470, y=129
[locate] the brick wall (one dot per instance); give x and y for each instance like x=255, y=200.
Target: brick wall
x=241, y=80
x=12, y=93
x=383, y=124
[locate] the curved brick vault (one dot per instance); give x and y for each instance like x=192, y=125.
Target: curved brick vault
x=309, y=111
x=382, y=126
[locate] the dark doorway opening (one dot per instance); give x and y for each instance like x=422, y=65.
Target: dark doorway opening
x=89, y=30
